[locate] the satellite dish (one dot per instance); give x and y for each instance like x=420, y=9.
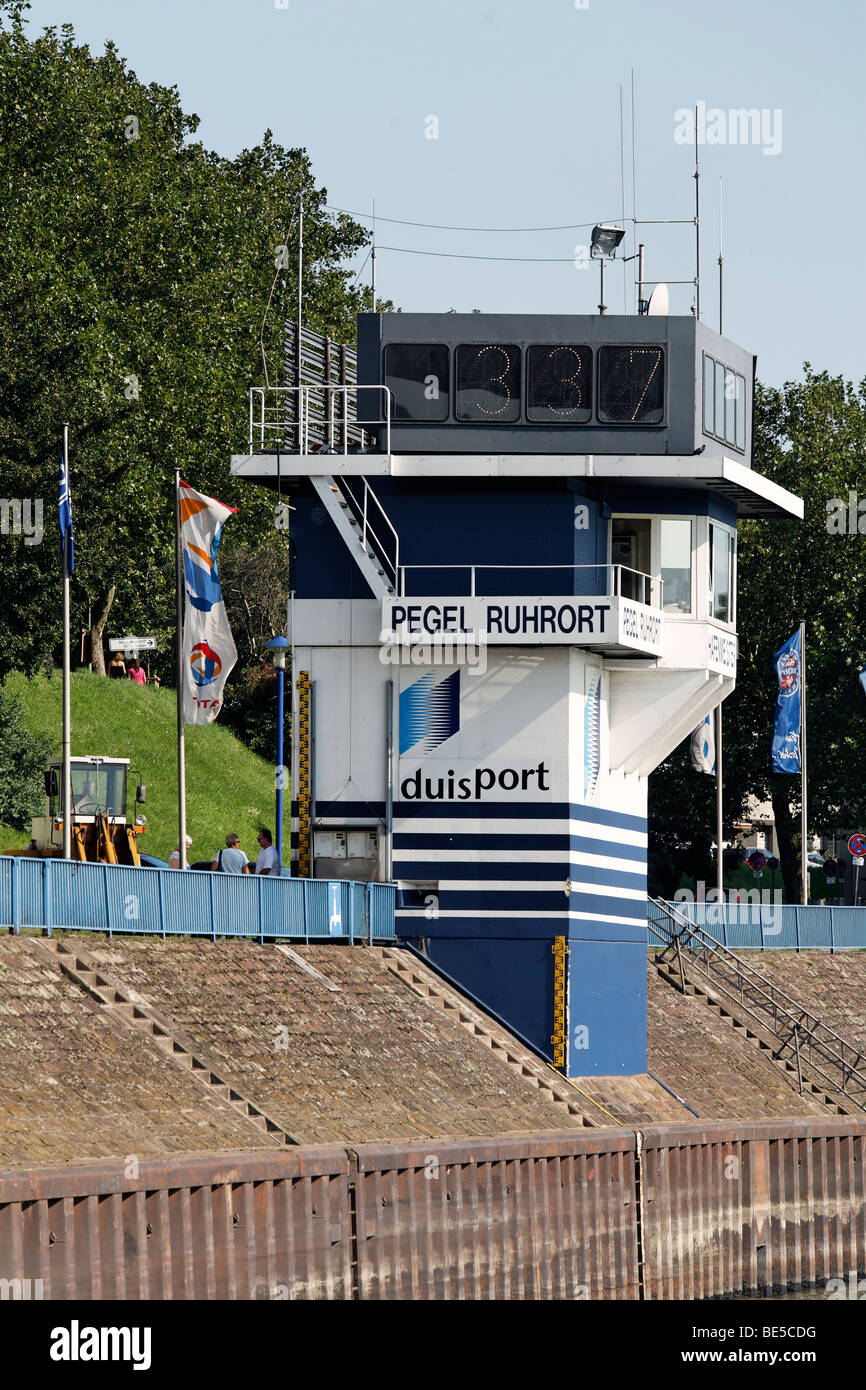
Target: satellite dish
x=659, y=303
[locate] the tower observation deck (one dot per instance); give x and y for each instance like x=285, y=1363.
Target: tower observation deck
x=513, y=595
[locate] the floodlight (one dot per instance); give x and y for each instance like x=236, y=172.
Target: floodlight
x=605, y=239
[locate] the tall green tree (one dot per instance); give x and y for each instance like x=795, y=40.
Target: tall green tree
x=135, y=267
x=810, y=438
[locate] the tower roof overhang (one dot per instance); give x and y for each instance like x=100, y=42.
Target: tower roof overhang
x=752, y=494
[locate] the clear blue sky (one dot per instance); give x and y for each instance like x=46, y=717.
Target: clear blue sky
x=527, y=98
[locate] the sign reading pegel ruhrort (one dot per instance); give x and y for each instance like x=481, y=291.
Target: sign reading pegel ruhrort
x=597, y=621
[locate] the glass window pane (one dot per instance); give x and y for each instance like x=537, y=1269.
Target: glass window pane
x=488, y=382
x=676, y=565
x=709, y=395
x=720, y=402
x=630, y=547
x=710, y=573
x=740, y=440
x=730, y=405
x=721, y=575
x=559, y=383
x=417, y=373
x=96, y=789
x=631, y=385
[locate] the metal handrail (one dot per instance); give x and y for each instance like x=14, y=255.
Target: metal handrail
x=271, y=418
x=614, y=573
x=362, y=510
x=792, y=1023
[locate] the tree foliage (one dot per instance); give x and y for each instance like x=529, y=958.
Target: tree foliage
x=135, y=268
x=811, y=439
x=22, y=762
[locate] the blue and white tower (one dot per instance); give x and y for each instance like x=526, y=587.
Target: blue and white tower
x=514, y=593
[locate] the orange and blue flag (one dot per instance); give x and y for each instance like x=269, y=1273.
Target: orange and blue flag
x=208, y=647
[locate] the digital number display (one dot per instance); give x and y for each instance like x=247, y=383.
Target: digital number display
x=631, y=385
x=559, y=383
x=418, y=376
x=488, y=382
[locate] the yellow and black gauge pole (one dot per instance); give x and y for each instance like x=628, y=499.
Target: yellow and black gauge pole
x=304, y=686
x=558, y=1036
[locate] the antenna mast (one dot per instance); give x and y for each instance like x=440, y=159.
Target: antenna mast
x=300, y=274
x=721, y=192
x=373, y=262
x=697, y=223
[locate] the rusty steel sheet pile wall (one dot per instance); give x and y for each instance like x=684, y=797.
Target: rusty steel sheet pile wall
x=731, y=1208
x=679, y=1211
x=216, y=1226
x=535, y=1217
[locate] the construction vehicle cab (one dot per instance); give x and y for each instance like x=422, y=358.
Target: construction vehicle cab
x=100, y=832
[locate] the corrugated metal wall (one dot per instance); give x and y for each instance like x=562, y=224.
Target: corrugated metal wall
x=735, y=1207
x=540, y=1216
x=714, y=1209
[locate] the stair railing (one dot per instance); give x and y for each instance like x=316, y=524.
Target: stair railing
x=762, y=1001
x=378, y=534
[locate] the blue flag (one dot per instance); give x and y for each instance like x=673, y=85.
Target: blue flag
x=66, y=514
x=786, y=732
x=703, y=746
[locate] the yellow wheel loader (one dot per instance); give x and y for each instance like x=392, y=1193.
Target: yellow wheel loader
x=100, y=833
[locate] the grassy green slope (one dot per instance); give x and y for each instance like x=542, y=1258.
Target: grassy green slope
x=227, y=786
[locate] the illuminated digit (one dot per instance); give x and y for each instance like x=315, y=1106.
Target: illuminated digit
x=568, y=409
x=501, y=378
x=658, y=357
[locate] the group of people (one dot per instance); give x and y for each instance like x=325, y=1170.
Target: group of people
x=117, y=669
x=232, y=860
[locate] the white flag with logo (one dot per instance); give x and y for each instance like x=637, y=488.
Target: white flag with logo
x=703, y=746
x=209, y=653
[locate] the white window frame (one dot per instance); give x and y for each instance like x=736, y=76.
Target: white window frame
x=731, y=531
x=697, y=550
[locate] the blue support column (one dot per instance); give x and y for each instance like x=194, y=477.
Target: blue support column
x=47, y=895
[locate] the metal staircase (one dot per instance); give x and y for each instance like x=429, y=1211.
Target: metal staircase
x=354, y=508
x=825, y=1064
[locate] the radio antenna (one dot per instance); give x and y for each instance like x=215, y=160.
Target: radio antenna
x=622, y=192
x=697, y=222
x=373, y=262
x=721, y=259
x=633, y=188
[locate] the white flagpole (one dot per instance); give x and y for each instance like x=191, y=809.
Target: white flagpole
x=804, y=847
x=67, y=712
x=181, y=752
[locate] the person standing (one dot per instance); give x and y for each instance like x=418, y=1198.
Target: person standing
x=232, y=859
x=268, y=861
x=136, y=672
x=117, y=666
x=174, y=861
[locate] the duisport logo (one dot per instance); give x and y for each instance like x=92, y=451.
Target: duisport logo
x=429, y=712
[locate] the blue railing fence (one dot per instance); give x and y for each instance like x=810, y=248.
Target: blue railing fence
x=65, y=894
x=786, y=926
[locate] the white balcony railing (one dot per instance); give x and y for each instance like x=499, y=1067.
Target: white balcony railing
x=618, y=581
x=318, y=418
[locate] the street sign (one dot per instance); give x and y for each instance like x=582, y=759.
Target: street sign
x=857, y=845
x=756, y=860
x=858, y=860
x=132, y=644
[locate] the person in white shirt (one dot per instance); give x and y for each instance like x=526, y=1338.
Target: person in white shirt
x=232, y=859
x=268, y=861
x=174, y=861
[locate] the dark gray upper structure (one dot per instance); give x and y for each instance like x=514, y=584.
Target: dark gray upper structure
x=557, y=383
